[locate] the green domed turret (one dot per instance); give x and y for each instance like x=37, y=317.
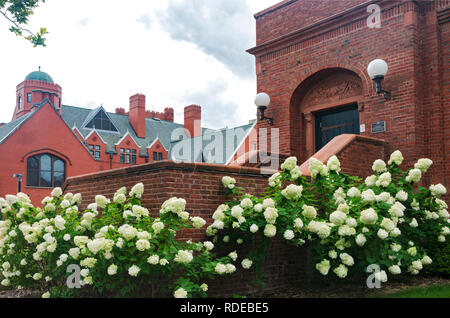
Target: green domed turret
x=39, y=76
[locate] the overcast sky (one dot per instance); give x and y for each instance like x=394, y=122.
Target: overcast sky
x=176, y=52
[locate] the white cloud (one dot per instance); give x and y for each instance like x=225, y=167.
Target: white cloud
x=103, y=51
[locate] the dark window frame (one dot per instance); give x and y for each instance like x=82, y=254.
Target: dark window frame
x=133, y=156
x=122, y=155
x=101, y=121
x=39, y=171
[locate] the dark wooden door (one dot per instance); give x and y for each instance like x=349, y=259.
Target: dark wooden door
x=335, y=122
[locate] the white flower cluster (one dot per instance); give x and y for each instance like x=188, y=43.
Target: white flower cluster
x=292, y=192
x=316, y=167
x=174, y=205
x=396, y=157
x=184, y=257
x=137, y=190
x=290, y=164
x=229, y=182
x=333, y=164
x=438, y=190
x=275, y=180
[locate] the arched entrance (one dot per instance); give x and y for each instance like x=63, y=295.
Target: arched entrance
x=323, y=106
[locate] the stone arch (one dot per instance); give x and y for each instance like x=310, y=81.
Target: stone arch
x=46, y=150
x=323, y=90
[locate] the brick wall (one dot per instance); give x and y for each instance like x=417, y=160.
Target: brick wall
x=201, y=186
x=370, y=149
x=294, y=55
x=290, y=15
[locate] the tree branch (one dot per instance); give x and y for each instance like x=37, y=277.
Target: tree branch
x=16, y=25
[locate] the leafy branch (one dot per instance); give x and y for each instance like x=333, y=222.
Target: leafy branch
x=17, y=13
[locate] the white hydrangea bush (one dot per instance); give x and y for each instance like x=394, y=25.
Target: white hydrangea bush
x=351, y=223
x=120, y=249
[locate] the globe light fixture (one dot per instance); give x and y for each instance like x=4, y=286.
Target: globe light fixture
x=377, y=70
x=262, y=100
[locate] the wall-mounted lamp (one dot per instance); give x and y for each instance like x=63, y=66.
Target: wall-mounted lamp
x=377, y=70
x=19, y=181
x=262, y=100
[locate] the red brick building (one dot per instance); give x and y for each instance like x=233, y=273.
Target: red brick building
x=47, y=142
x=312, y=59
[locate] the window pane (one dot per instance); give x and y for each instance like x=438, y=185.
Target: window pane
x=97, y=148
x=122, y=150
x=32, y=163
x=58, y=179
x=46, y=163
x=122, y=158
x=97, y=155
x=97, y=123
x=58, y=166
x=33, y=178
x=91, y=147
x=155, y=156
x=133, y=151
x=29, y=98
x=133, y=159
x=128, y=158
x=45, y=179
x=102, y=122
x=160, y=156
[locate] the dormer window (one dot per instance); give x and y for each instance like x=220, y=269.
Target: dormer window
x=101, y=121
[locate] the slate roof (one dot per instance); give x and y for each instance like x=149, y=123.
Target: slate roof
x=214, y=142
x=214, y=146
x=7, y=129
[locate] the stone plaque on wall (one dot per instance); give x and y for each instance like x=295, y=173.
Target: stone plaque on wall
x=379, y=127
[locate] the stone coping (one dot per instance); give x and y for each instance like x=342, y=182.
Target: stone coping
x=336, y=146
x=169, y=166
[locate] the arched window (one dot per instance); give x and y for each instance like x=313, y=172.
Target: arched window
x=46, y=171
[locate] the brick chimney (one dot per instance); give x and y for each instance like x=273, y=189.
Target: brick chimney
x=193, y=120
x=169, y=114
x=137, y=114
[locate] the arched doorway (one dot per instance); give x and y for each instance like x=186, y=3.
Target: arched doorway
x=323, y=106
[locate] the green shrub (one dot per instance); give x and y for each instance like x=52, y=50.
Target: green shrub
x=112, y=249
x=121, y=251
x=440, y=253
x=352, y=224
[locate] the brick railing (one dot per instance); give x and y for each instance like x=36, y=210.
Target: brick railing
x=356, y=154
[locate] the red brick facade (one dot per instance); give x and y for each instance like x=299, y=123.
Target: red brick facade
x=85, y=140
x=313, y=55
x=31, y=92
